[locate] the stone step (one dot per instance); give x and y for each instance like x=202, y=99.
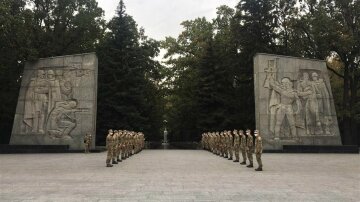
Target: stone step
x=17, y=149
x=320, y=149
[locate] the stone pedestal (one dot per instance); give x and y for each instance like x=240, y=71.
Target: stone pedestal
x=294, y=104
x=57, y=102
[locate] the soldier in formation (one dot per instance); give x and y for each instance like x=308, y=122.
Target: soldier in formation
x=229, y=144
x=121, y=144
x=258, y=149
x=249, y=147
x=236, y=145
x=87, y=142
x=243, y=147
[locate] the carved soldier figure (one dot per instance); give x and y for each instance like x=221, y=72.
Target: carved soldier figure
x=243, y=147
x=54, y=89
x=236, y=145
x=308, y=93
x=109, y=147
x=258, y=149
x=62, y=120
x=36, y=103
x=249, y=147
x=288, y=96
x=323, y=97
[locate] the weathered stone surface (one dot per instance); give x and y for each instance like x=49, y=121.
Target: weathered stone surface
x=57, y=102
x=294, y=102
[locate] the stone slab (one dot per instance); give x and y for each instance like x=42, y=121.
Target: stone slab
x=57, y=102
x=293, y=102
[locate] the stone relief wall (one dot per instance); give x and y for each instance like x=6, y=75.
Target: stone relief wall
x=57, y=101
x=294, y=103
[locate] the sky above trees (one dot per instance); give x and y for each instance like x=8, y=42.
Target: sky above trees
x=162, y=18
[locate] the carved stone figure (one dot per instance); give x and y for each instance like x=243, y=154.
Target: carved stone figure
x=62, y=119
x=54, y=89
x=293, y=102
x=323, y=100
x=57, y=101
x=36, y=103
x=308, y=93
x=284, y=108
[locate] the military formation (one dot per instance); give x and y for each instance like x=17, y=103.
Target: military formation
x=229, y=145
x=122, y=144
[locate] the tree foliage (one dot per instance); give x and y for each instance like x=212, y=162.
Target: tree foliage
x=31, y=29
x=212, y=87
x=128, y=96
x=207, y=81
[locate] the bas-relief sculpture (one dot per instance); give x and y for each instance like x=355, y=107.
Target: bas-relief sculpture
x=294, y=104
x=57, y=101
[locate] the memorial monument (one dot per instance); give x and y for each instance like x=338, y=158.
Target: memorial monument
x=293, y=102
x=57, y=102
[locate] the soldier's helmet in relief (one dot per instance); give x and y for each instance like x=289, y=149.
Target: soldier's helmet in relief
x=110, y=131
x=256, y=132
x=248, y=132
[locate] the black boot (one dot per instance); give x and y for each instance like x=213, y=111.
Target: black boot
x=109, y=165
x=236, y=160
x=230, y=158
x=258, y=169
x=114, y=162
x=119, y=160
x=250, y=165
x=243, y=163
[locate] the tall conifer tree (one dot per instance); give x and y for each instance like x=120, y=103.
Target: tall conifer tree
x=125, y=66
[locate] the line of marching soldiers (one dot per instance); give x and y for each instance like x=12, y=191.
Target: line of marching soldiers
x=227, y=143
x=121, y=144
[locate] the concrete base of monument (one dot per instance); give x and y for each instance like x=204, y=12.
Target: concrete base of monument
x=27, y=149
x=351, y=149
x=316, y=141
x=74, y=143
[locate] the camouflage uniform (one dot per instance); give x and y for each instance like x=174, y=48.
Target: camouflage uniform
x=230, y=145
x=217, y=143
x=243, y=147
x=258, y=150
x=204, y=141
x=122, y=145
x=223, y=145
x=114, y=147
x=87, y=142
x=236, y=145
x=249, y=147
x=109, y=147
x=118, y=146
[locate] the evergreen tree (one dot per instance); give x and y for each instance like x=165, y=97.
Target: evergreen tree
x=254, y=30
x=126, y=79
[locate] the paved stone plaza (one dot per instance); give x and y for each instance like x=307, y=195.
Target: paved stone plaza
x=178, y=175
